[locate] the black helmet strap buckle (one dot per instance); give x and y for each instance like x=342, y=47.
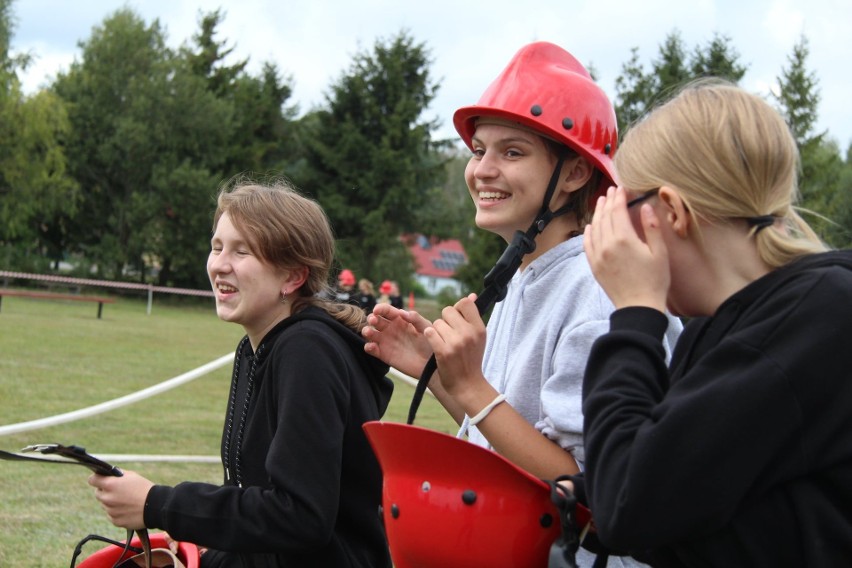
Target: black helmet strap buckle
x=498, y=278
x=564, y=550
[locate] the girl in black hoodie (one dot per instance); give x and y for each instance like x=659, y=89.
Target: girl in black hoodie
x=301, y=485
x=740, y=452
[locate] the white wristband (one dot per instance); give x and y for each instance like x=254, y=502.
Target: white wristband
x=474, y=420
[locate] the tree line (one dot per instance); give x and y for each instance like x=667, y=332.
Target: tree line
x=114, y=166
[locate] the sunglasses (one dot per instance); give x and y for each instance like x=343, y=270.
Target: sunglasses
x=643, y=197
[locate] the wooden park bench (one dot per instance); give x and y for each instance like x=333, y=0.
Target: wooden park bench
x=54, y=296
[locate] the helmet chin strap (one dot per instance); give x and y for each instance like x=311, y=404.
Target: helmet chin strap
x=498, y=278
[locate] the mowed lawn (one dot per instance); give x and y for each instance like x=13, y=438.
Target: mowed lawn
x=58, y=357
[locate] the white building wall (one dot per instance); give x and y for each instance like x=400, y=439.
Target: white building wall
x=434, y=284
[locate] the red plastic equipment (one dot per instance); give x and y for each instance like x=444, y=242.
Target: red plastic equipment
x=107, y=556
x=449, y=503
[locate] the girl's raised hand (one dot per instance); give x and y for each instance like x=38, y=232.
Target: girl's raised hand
x=632, y=271
x=396, y=337
x=458, y=341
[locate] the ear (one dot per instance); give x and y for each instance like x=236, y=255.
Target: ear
x=676, y=213
x=576, y=173
x=294, y=279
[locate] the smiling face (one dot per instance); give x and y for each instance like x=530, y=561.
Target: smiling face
x=247, y=289
x=507, y=177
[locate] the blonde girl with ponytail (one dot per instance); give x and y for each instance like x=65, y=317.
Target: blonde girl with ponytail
x=733, y=454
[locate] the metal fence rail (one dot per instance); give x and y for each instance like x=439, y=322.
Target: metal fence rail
x=150, y=288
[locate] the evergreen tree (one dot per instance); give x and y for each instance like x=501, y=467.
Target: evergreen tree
x=633, y=88
x=263, y=137
x=34, y=184
x=842, y=238
x=371, y=160
x=718, y=59
x=798, y=97
x=147, y=146
x=671, y=68
x=638, y=91
x=208, y=59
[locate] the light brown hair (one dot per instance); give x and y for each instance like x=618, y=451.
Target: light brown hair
x=287, y=230
x=730, y=156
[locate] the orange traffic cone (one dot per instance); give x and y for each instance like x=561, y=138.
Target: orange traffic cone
x=411, y=300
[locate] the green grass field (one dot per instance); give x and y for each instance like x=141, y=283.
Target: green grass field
x=58, y=357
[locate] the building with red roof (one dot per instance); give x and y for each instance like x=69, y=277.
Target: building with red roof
x=436, y=262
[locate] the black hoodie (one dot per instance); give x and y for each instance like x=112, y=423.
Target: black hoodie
x=302, y=486
x=740, y=454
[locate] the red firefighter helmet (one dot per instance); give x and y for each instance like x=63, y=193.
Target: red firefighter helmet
x=108, y=556
x=546, y=89
x=346, y=277
x=447, y=502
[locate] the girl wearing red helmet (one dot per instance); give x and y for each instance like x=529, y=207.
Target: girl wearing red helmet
x=542, y=137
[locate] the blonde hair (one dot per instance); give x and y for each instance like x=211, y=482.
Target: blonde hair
x=287, y=231
x=730, y=156
x=366, y=287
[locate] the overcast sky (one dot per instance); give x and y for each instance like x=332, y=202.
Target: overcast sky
x=470, y=41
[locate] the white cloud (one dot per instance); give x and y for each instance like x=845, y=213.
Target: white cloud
x=783, y=21
x=45, y=64
x=471, y=41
